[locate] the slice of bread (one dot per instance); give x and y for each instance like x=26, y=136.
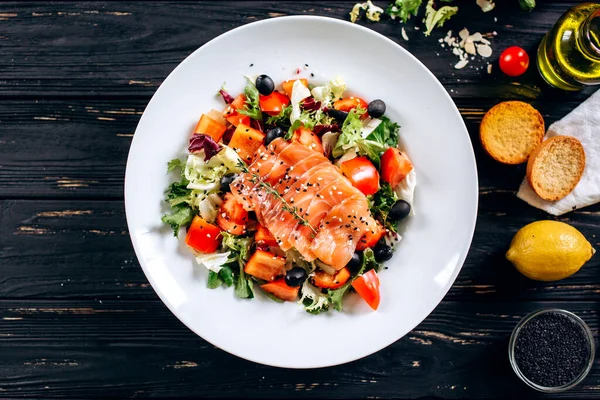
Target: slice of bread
x=555, y=167
x=511, y=130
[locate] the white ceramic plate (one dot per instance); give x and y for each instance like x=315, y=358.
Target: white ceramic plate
x=436, y=239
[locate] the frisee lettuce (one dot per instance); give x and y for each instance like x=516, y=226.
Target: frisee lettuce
x=178, y=195
x=381, y=204
x=403, y=9
x=436, y=18
x=252, y=106
x=351, y=138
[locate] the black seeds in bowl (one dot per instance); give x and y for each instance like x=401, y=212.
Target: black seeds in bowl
x=552, y=350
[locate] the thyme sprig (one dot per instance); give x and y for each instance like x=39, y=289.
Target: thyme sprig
x=256, y=179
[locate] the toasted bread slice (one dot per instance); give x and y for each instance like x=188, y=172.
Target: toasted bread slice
x=555, y=167
x=511, y=130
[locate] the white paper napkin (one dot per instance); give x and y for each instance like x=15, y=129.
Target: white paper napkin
x=582, y=123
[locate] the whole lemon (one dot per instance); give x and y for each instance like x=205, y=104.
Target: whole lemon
x=549, y=250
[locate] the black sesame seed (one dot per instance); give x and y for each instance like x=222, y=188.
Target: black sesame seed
x=551, y=349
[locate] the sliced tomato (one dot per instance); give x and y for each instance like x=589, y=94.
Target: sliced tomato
x=367, y=286
x=264, y=236
x=210, y=127
x=307, y=138
x=350, y=103
x=265, y=265
x=288, y=85
x=362, y=173
x=395, y=165
x=202, y=236
x=281, y=290
x=232, y=217
x=232, y=115
x=246, y=141
x=273, y=103
x=239, y=102
x=324, y=280
x=370, y=237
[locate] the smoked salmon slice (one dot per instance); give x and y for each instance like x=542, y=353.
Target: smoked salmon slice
x=305, y=202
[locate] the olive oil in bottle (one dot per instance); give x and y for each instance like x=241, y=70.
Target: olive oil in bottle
x=569, y=55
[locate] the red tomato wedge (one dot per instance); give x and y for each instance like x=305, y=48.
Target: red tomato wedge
x=246, y=141
x=264, y=237
x=306, y=137
x=281, y=290
x=325, y=281
x=370, y=237
x=362, y=173
x=202, y=236
x=367, y=286
x=265, y=265
x=232, y=217
x=395, y=166
x=350, y=103
x=231, y=112
x=210, y=127
x=288, y=85
x=273, y=103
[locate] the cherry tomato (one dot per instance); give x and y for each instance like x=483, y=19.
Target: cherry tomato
x=370, y=237
x=202, y=236
x=367, y=286
x=273, y=103
x=306, y=137
x=232, y=217
x=325, y=281
x=350, y=103
x=394, y=166
x=514, y=61
x=362, y=173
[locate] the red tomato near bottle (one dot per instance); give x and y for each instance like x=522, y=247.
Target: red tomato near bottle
x=367, y=286
x=362, y=173
x=514, y=61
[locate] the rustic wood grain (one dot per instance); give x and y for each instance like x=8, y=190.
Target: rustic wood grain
x=81, y=249
x=75, y=148
x=138, y=349
x=78, y=318
x=128, y=48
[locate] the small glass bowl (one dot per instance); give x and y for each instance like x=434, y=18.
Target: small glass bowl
x=579, y=378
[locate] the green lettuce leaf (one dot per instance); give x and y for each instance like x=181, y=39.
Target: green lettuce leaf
x=181, y=215
x=436, y=18
x=252, y=106
x=351, y=138
x=403, y=9
x=385, y=133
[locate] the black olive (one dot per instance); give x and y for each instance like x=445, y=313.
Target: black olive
x=273, y=134
x=295, y=276
x=382, y=252
x=226, y=181
x=354, y=263
x=340, y=116
x=265, y=85
x=399, y=210
x=376, y=108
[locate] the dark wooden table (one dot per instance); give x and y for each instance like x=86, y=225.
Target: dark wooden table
x=78, y=317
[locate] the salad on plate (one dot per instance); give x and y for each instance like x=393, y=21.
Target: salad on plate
x=296, y=191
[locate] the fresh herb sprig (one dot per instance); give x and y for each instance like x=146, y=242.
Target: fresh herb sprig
x=256, y=179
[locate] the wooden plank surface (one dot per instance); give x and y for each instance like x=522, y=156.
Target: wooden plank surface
x=128, y=48
x=78, y=319
x=138, y=349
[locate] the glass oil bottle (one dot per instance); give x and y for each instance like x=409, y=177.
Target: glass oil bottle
x=568, y=57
